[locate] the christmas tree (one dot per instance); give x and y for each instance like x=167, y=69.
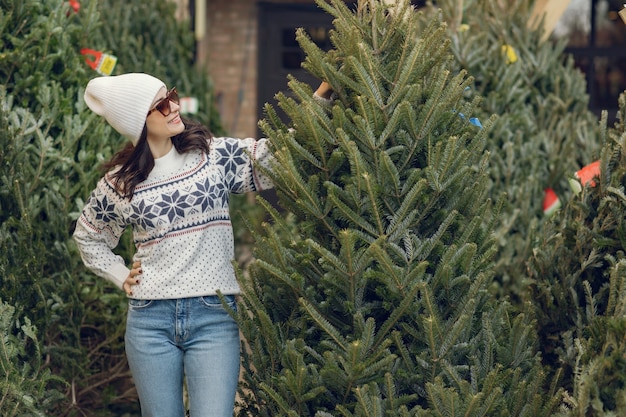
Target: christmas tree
x=544, y=130
x=579, y=272
x=43, y=163
x=371, y=295
x=560, y=263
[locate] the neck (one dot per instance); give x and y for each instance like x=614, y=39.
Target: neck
x=160, y=148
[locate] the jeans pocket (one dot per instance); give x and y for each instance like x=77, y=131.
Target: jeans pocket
x=135, y=305
x=213, y=301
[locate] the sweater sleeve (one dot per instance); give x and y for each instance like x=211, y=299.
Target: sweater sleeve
x=242, y=160
x=98, y=231
x=326, y=103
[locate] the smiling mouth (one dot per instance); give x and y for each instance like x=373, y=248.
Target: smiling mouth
x=175, y=119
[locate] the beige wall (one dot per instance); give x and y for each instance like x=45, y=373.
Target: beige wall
x=228, y=49
x=229, y=52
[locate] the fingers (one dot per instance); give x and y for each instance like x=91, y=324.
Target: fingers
x=133, y=278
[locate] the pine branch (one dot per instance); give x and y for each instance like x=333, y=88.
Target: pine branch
x=398, y=313
x=346, y=212
x=374, y=202
x=279, y=400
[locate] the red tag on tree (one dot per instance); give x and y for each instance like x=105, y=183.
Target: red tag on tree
x=75, y=5
x=551, y=202
x=101, y=62
x=585, y=176
x=588, y=173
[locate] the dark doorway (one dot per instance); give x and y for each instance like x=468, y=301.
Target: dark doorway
x=280, y=54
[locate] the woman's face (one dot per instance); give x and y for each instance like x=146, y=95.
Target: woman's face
x=164, y=121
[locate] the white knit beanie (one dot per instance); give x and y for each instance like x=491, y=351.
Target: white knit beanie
x=124, y=101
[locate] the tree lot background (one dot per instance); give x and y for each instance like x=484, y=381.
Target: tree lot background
x=413, y=272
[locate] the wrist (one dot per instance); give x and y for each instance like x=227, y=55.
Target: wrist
x=324, y=91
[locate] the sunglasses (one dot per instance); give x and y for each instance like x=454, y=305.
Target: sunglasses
x=164, y=106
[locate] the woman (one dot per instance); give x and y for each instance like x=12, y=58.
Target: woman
x=171, y=184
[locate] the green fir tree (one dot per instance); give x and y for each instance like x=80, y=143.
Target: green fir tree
x=371, y=295
x=579, y=270
x=25, y=384
x=44, y=164
x=544, y=131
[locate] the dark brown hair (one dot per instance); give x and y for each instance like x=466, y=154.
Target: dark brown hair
x=133, y=163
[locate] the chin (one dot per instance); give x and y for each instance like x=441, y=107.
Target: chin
x=179, y=128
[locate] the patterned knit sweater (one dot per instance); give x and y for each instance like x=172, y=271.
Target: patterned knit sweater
x=180, y=220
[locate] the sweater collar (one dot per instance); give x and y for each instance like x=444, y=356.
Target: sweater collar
x=168, y=163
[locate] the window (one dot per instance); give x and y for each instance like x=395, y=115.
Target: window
x=292, y=55
x=595, y=35
x=280, y=54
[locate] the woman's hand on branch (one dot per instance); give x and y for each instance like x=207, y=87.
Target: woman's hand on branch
x=324, y=90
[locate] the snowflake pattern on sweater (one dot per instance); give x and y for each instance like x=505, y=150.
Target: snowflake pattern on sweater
x=180, y=220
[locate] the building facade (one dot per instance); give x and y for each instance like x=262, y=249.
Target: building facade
x=248, y=48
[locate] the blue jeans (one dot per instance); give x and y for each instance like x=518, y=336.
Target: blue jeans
x=192, y=338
